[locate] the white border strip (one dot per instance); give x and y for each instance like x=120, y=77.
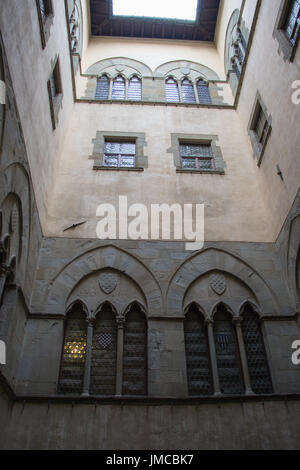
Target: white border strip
x=2, y=92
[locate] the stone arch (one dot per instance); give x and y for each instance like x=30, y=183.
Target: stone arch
x=102, y=305
x=293, y=260
x=94, y=260
x=180, y=69
x=120, y=65
x=196, y=304
x=134, y=303
x=15, y=186
x=233, y=291
x=75, y=302
x=213, y=259
x=228, y=52
x=224, y=305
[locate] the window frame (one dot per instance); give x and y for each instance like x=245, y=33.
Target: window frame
x=259, y=141
x=45, y=22
x=55, y=101
x=218, y=162
x=195, y=157
x=286, y=46
x=139, y=138
x=119, y=156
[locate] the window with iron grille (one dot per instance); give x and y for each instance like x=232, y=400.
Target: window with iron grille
x=135, y=353
x=197, y=354
x=292, y=22
x=55, y=93
x=196, y=156
x=104, y=353
x=227, y=352
x=259, y=128
x=203, y=92
x=74, y=352
x=135, y=89
x=119, y=154
x=187, y=90
x=172, y=91
x=256, y=354
x=102, y=88
x=118, y=88
x=45, y=8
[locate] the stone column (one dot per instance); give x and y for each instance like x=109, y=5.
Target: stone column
x=126, y=88
x=196, y=92
x=120, y=347
x=213, y=357
x=238, y=327
x=88, y=358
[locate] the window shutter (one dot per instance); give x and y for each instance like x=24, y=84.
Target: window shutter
x=102, y=88
x=104, y=353
x=118, y=90
x=135, y=89
x=74, y=352
x=227, y=352
x=256, y=353
x=292, y=25
x=203, y=92
x=197, y=354
x=135, y=353
x=188, y=94
x=172, y=92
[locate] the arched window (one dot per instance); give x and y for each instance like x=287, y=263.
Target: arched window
x=227, y=352
x=203, y=92
x=104, y=353
x=188, y=94
x=135, y=353
x=102, y=88
x=197, y=354
x=256, y=354
x=74, y=352
x=172, y=92
x=135, y=89
x=118, y=88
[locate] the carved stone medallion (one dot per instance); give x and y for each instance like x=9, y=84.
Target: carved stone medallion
x=218, y=283
x=108, y=282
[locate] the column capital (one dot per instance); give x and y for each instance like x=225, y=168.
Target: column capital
x=120, y=321
x=209, y=321
x=237, y=321
x=90, y=321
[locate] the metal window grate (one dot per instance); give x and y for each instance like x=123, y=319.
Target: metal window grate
x=256, y=353
x=188, y=93
x=120, y=154
x=118, y=88
x=203, y=92
x=135, y=89
x=197, y=354
x=228, y=360
x=102, y=88
x=74, y=352
x=45, y=9
x=172, y=92
x=260, y=125
x=135, y=354
x=196, y=156
x=104, y=354
x=292, y=24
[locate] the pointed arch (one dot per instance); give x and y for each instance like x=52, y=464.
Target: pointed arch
x=198, y=363
x=102, y=88
x=172, y=90
x=187, y=90
x=259, y=371
x=73, y=351
x=135, y=352
x=135, y=88
x=104, y=352
x=227, y=353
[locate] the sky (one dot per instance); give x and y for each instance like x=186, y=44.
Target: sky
x=175, y=9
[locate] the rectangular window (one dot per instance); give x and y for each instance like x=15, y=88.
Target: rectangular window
x=55, y=93
x=292, y=22
x=259, y=128
x=119, y=154
x=196, y=156
x=45, y=16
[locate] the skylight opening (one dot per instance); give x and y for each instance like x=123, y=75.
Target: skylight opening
x=169, y=9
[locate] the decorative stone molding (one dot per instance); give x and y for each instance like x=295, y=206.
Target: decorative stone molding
x=116, y=65
x=219, y=162
x=141, y=160
x=180, y=69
